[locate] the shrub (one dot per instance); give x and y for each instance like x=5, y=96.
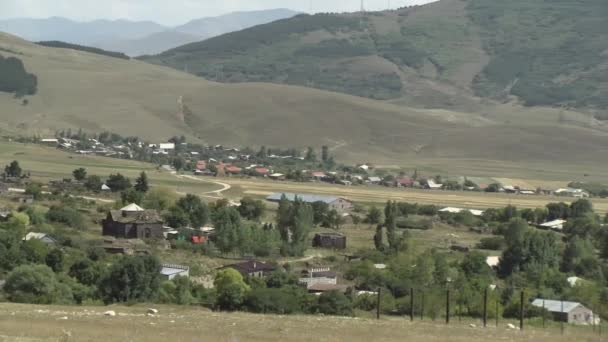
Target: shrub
x=69, y=216
x=495, y=243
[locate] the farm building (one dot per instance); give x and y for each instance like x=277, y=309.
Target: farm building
x=169, y=272
x=329, y=240
x=337, y=203
x=453, y=210
x=45, y=238
x=556, y=225
x=133, y=222
x=253, y=268
x=319, y=276
x=569, y=312
x=570, y=192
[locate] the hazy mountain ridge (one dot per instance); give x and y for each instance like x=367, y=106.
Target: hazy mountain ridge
x=136, y=37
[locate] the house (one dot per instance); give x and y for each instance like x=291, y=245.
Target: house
x=337, y=203
x=430, y=184
x=104, y=187
x=405, y=182
x=318, y=176
x=133, y=222
x=277, y=176
x=318, y=276
x=318, y=289
x=232, y=170
x=253, y=268
x=364, y=167
x=166, y=147
x=45, y=238
x=50, y=141
x=262, y=171
x=570, y=192
x=329, y=240
x=374, y=180
x=24, y=199
x=201, y=165
x=569, y=312
x=556, y=225
x=573, y=281
x=509, y=189
x=344, y=182
x=169, y=272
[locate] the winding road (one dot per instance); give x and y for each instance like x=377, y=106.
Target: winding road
x=216, y=194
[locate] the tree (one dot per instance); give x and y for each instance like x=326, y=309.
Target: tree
x=141, y=183
x=159, y=198
x=557, y=211
x=374, y=216
x=494, y=187
x=131, y=196
x=294, y=221
x=390, y=222
x=13, y=170
x=86, y=271
x=581, y=208
x=80, y=174
x=228, y=233
x=54, y=260
x=66, y=215
x=197, y=211
x=93, y=183
x=179, y=163
x=176, y=217
x=379, y=238
x=474, y=265
x=335, y=303
x=118, y=183
x=325, y=153
x=36, y=284
x=34, y=189
x=310, y=155
x=251, y=209
x=231, y=289
x=132, y=278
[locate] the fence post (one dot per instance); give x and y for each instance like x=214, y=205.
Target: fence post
x=447, y=308
x=460, y=307
x=562, y=312
x=485, y=307
x=544, y=318
x=378, y=303
x=521, y=311
x=496, y=303
x=412, y=304
x=422, y=307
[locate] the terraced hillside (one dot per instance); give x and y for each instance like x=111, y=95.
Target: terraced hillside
x=443, y=54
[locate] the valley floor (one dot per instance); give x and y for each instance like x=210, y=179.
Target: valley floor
x=54, y=323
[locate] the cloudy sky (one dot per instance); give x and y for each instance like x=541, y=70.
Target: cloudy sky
x=173, y=12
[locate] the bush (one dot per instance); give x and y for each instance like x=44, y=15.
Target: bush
x=495, y=243
x=15, y=79
x=36, y=284
x=335, y=303
x=69, y=216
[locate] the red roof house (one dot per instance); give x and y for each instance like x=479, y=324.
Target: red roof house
x=233, y=169
x=201, y=165
x=262, y=171
x=405, y=182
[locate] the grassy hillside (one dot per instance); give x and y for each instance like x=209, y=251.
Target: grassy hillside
x=97, y=93
x=441, y=54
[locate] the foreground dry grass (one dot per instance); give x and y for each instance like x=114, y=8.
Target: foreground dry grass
x=52, y=323
x=377, y=194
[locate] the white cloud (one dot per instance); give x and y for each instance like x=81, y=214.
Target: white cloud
x=173, y=12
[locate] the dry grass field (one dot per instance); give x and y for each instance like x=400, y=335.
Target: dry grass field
x=28, y=323
x=378, y=194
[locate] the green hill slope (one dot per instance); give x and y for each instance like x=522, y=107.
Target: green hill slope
x=97, y=93
x=440, y=55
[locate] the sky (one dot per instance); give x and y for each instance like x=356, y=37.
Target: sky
x=175, y=12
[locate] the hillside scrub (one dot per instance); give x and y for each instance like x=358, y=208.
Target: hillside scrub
x=15, y=79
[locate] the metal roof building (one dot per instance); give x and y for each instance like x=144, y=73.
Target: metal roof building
x=564, y=311
x=305, y=198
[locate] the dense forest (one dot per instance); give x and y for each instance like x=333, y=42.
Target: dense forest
x=63, y=45
x=15, y=79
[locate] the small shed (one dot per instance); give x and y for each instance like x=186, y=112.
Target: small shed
x=329, y=240
x=45, y=238
x=169, y=272
x=569, y=312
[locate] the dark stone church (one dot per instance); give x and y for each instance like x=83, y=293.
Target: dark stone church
x=133, y=222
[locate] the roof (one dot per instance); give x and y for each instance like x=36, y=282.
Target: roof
x=233, y=169
x=573, y=281
x=318, y=174
x=431, y=183
x=305, y=198
x=493, y=261
x=454, y=210
x=277, y=175
x=556, y=305
x=555, y=224
x=252, y=266
x=167, y=146
x=37, y=236
x=105, y=187
x=374, y=179
x=169, y=270
x=132, y=207
x=262, y=170
x=145, y=216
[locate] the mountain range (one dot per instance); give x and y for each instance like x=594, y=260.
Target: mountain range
x=136, y=38
x=450, y=54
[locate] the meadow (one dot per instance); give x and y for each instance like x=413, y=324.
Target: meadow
x=29, y=323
